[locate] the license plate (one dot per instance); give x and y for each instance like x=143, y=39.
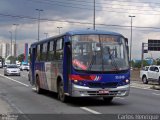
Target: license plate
x=103, y=92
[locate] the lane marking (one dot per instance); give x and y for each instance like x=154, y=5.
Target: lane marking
x=89, y=110
x=33, y=88
x=155, y=93
x=15, y=80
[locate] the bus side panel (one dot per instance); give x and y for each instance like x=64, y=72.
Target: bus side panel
x=40, y=71
x=51, y=75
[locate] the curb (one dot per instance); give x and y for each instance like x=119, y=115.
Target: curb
x=155, y=87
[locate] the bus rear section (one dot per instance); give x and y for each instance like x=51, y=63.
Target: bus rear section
x=82, y=64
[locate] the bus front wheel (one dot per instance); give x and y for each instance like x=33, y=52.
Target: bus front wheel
x=61, y=96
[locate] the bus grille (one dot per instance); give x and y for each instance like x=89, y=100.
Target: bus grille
x=102, y=85
x=111, y=93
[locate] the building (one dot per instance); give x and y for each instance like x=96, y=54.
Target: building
x=5, y=50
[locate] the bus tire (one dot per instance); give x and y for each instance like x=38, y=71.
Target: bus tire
x=37, y=85
x=61, y=96
x=108, y=99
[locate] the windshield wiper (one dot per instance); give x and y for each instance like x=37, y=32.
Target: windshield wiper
x=92, y=61
x=113, y=61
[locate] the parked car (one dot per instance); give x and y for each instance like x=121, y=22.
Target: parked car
x=24, y=67
x=150, y=73
x=12, y=69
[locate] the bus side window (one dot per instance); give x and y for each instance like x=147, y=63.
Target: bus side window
x=38, y=53
x=59, y=49
x=50, y=51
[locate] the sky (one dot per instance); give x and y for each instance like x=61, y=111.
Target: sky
x=111, y=15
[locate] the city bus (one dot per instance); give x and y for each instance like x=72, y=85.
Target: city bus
x=81, y=63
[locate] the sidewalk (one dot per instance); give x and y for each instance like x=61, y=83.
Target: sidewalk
x=4, y=107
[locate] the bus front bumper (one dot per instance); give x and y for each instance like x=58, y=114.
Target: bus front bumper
x=82, y=91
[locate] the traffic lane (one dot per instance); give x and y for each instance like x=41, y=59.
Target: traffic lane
x=137, y=102
x=24, y=100
x=23, y=78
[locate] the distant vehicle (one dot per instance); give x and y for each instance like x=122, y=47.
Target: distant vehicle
x=24, y=67
x=1, y=63
x=11, y=69
x=81, y=63
x=18, y=63
x=150, y=73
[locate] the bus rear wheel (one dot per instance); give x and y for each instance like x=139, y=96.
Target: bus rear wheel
x=37, y=85
x=61, y=96
x=108, y=99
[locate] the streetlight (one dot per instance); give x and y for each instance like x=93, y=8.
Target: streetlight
x=15, y=53
x=131, y=16
x=11, y=41
x=59, y=29
x=39, y=10
x=94, y=15
x=46, y=35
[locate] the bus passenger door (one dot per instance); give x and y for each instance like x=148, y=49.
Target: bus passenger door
x=32, y=66
x=67, y=66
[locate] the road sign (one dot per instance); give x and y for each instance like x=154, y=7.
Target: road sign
x=153, y=45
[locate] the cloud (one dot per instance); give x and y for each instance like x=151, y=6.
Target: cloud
x=107, y=12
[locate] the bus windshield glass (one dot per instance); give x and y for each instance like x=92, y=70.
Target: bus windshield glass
x=99, y=53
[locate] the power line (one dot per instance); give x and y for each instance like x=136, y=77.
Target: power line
x=102, y=4
x=52, y=1
x=124, y=1
x=62, y=4
x=75, y=22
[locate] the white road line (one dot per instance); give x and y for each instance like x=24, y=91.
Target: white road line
x=155, y=93
x=33, y=88
x=15, y=80
x=89, y=110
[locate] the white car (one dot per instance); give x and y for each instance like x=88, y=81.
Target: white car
x=12, y=69
x=150, y=73
x=24, y=67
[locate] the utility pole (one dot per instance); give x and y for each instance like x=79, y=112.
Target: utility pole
x=131, y=16
x=59, y=29
x=15, y=51
x=94, y=15
x=39, y=13
x=11, y=41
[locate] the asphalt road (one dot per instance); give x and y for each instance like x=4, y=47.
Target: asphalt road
x=20, y=96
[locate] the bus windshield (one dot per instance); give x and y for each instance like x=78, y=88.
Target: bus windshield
x=99, y=53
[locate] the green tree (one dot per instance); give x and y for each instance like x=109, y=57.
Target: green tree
x=138, y=64
x=21, y=57
x=12, y=59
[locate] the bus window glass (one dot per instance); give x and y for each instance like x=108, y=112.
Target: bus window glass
x=59, y=49
x=99, y=53
x=51, y=51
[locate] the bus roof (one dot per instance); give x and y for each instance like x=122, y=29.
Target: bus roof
x=79, y=32
x=87, y=32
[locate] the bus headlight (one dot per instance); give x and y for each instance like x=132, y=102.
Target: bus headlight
x=127, y=81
